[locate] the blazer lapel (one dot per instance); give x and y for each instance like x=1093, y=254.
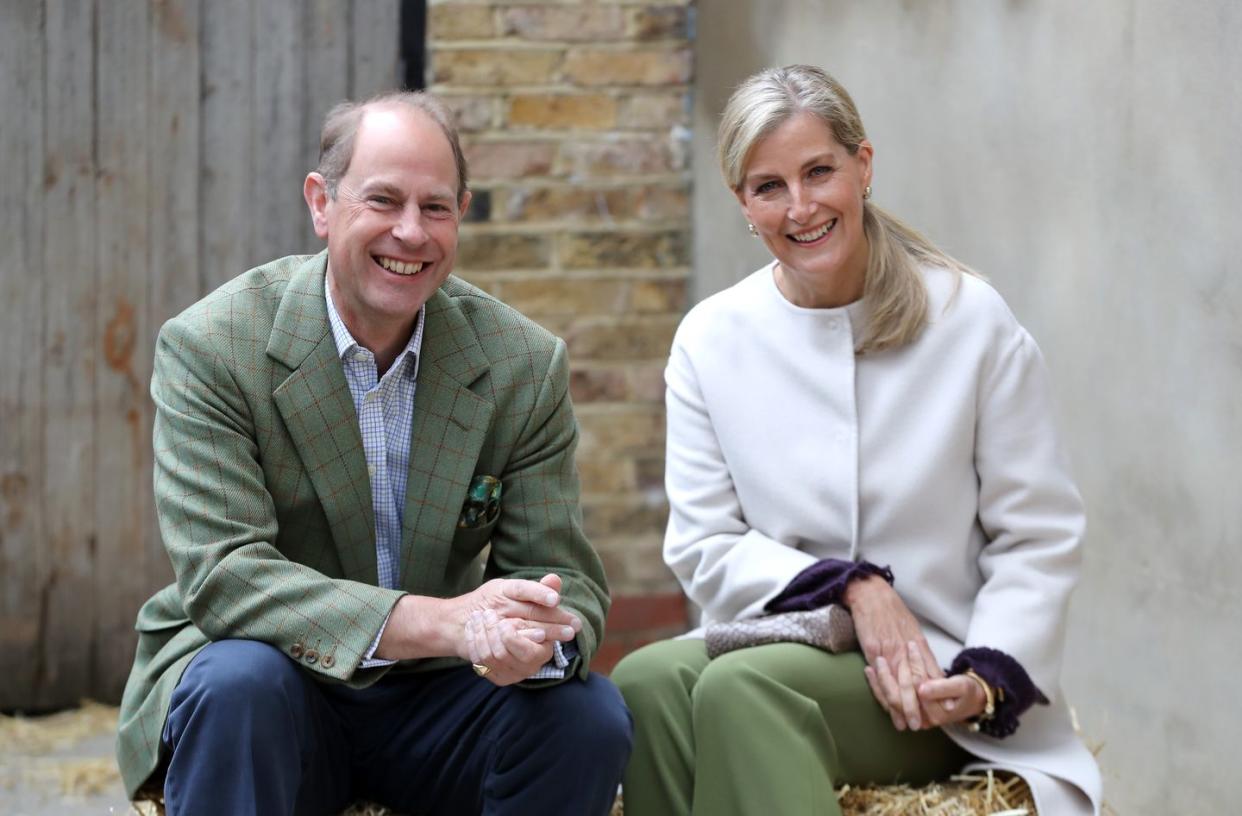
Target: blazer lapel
x=318, y=411
x=450, y=425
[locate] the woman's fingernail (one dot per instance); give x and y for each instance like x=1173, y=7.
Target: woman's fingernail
x=567, y=632
x=550, y=599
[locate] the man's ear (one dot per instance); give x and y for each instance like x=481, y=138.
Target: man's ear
x=463, y=204
x=315, y=191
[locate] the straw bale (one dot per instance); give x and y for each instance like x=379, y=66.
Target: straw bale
x=31, y=740
x=42, y=735
x=985, y=794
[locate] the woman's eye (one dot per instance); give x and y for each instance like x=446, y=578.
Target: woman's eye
x=820, y=170
x=766, y=187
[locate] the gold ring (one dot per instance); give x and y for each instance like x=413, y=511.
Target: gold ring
x=480, y=669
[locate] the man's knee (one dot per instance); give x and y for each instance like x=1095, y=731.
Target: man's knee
x=588, y=718
x=239, y=679
x=597, y=716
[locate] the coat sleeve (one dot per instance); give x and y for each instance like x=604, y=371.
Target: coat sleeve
x=729, y=569
x=540, y=526
x=219, y=526
x=1031, y=513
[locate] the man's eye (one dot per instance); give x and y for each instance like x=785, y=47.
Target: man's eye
x=383, y=201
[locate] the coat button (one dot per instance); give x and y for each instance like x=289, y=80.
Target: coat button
x=311, y=656
x=328, y=661
x=296, y=650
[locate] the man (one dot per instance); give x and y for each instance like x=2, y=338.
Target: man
x=325, y=525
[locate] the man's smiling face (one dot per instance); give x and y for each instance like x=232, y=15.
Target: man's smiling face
x=392, y=225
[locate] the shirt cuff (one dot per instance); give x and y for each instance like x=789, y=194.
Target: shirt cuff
x=554, y=669
x=823, y=583
x=369, y=661
x=562, y=655
x=1015, y=691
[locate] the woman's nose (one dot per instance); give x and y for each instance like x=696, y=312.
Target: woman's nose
x=801, y=204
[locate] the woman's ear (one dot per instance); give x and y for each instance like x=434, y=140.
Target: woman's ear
x=741, y=200
x=864, y=155
x=315, y=191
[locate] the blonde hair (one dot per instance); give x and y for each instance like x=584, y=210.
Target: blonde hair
x=340, y=128
x=893, y=287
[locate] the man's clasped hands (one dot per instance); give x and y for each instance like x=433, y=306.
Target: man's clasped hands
x=508, y=625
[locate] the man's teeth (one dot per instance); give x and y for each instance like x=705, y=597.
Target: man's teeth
x=806, y=237
x=400, y=267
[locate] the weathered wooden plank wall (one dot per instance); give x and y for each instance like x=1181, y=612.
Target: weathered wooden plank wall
x=149, y=150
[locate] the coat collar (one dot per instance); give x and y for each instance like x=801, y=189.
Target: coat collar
x=450, y=425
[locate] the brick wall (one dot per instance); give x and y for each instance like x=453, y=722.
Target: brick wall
x=575, y=120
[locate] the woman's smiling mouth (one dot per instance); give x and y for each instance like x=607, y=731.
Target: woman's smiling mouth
x=811, y=236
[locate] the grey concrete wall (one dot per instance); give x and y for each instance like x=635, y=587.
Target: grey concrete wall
x=1087, y=157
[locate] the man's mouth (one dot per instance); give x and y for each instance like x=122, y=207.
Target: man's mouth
x=811, y=236
x=398, y=267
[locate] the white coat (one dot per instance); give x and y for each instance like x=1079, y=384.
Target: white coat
x=938, y=459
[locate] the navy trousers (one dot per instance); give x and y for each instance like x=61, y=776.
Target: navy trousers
x=249, y=732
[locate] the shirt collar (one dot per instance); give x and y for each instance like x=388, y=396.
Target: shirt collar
x=345, y=342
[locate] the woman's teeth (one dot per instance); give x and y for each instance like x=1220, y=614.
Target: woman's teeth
x=813, y=235
x=400, y=267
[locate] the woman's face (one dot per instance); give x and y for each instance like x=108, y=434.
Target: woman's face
x=803, y=191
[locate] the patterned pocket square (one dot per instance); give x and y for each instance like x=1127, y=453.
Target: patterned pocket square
x=482, y=503
x=830, y=628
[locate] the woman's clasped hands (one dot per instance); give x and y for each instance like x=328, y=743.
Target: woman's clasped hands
x=901, y=670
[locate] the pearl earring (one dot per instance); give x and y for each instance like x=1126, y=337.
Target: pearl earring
x=754, y=233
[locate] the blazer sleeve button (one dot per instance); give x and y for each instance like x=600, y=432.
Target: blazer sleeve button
x=328, y=661
x=296, y=650
x=311, y=656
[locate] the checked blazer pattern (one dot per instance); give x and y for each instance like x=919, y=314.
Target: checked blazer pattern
x=264, y=500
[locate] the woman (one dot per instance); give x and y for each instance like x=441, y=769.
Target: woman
x=861, y=422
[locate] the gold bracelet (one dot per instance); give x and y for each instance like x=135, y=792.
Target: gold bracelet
x=989, y=708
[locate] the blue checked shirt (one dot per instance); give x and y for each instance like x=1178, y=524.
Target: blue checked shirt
x=385, y=407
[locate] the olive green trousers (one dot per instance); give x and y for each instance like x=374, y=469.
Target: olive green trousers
x=766, y=731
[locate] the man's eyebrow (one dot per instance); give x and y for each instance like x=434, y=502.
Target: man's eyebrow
x=442, y=195
x=385, y=187
x=393, y=190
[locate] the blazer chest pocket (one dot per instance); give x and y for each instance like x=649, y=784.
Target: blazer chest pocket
x=482, y=505
x=479, y=513
x=470, y=540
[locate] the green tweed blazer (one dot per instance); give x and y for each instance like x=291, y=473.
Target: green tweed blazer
x=263, y=497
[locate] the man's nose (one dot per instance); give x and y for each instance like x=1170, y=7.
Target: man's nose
x=409, y=227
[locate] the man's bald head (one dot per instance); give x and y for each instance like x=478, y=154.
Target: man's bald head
x=340, y=127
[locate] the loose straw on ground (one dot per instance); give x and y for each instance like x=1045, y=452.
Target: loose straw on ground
x=29, y=740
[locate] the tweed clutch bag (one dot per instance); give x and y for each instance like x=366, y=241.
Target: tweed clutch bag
x=829, y=628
